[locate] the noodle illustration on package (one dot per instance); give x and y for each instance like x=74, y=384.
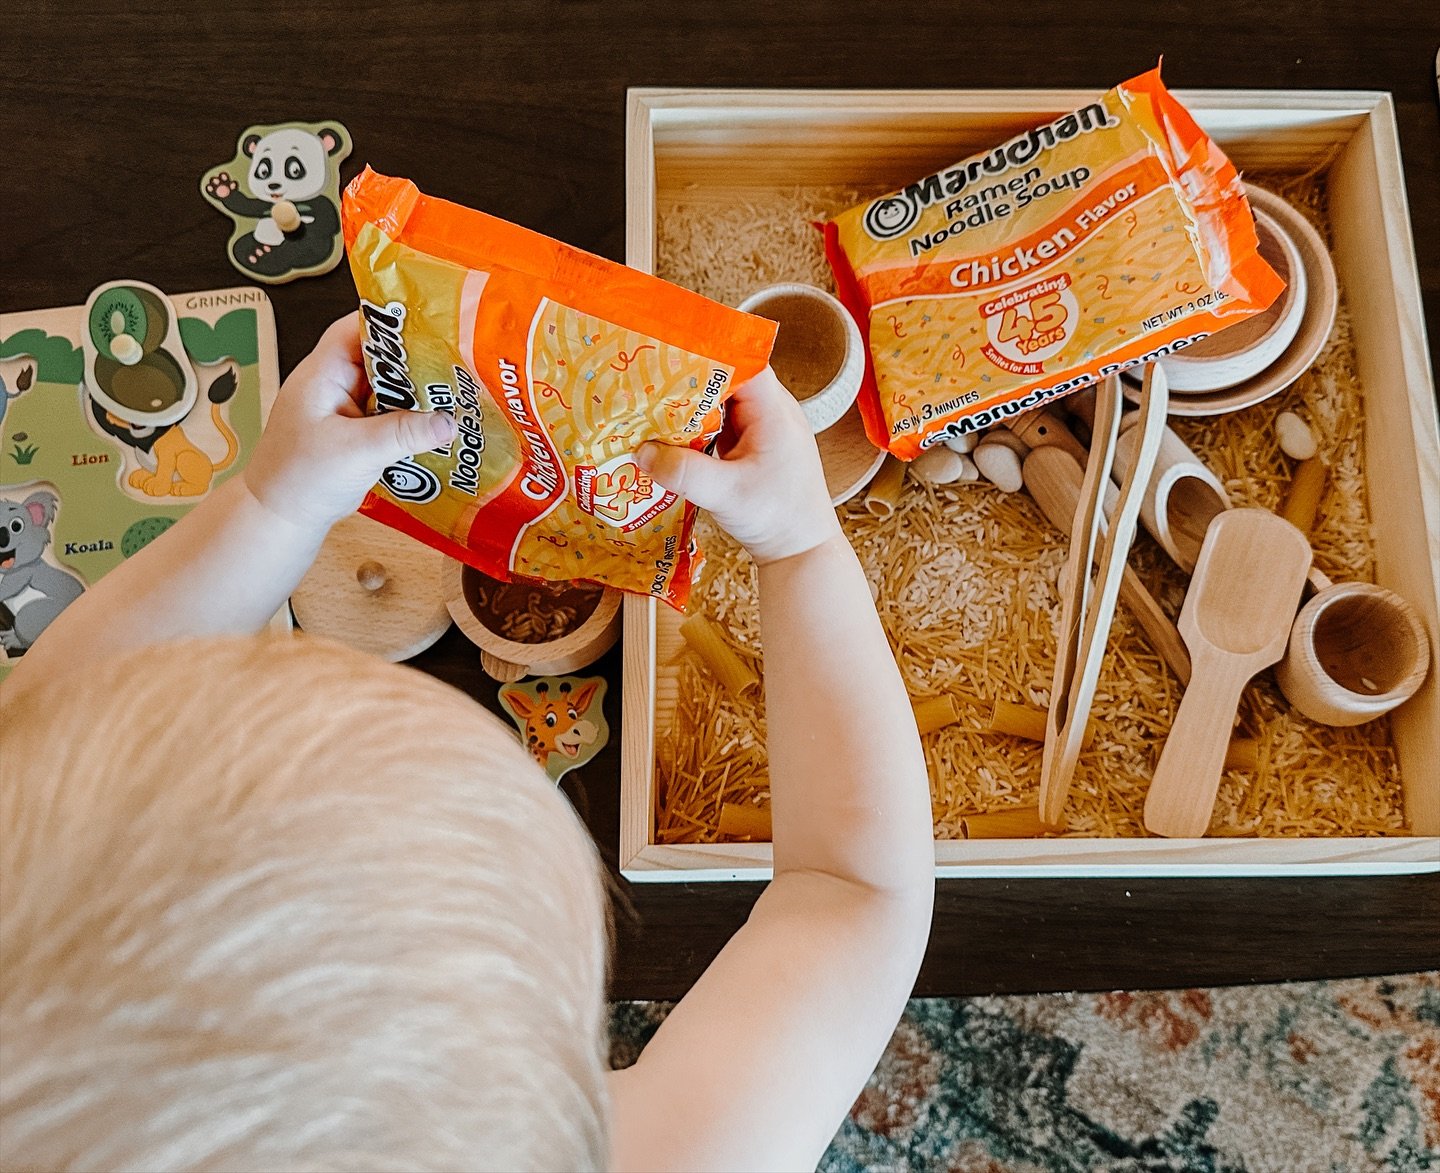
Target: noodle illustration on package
x=1109, y=237
x=557, y=366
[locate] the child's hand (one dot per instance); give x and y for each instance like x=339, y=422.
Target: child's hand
x=768, y=489
x=321, y=453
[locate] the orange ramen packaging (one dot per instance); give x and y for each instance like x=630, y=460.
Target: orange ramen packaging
x=557, y=365
x=1109, y=237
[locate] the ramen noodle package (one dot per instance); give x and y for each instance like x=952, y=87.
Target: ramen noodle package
x=1108, y=237
x=557, y=365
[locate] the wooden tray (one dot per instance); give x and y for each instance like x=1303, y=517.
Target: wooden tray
x=725, y=143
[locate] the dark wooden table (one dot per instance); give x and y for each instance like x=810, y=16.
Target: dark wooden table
x=109, y=113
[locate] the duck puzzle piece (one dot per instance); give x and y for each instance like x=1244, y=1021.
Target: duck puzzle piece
x=561, y=719
x=286, y=201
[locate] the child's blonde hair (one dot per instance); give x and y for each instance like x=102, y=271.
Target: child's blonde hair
x=274, y=904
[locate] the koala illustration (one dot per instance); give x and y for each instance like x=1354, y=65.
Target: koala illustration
x=290, y=192
x=32, y=592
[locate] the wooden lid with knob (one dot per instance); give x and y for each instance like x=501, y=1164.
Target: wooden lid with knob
x=375, y=589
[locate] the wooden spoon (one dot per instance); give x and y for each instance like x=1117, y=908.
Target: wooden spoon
x=1235, y=621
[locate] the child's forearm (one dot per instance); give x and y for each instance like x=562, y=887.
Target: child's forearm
x=226, y=568
x=849, y=792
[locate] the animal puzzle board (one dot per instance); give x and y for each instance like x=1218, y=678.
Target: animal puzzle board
x=82, y=488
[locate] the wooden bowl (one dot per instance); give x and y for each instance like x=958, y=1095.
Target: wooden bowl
x=1249, y=347
x=1322, y=297
x=514, y=624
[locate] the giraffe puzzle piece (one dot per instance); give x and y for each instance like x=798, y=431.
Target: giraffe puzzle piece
x=561, y=719
x=282, y=189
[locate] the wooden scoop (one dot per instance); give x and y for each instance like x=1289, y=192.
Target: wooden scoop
x=1235, y=621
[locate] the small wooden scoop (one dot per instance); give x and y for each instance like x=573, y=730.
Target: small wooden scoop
x=1235, y=621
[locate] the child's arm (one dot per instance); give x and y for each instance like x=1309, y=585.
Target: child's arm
x=759, y=1063
x=232, y=561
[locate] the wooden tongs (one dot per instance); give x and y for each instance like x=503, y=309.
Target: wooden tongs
x=1089, y=603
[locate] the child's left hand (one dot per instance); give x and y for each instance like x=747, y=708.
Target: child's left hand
x=321, y=453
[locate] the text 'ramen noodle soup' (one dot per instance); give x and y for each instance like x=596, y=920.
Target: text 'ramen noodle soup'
x=557, y=365
x=1108, y=237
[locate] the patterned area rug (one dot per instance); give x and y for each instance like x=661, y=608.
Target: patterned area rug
x=1335, y=1077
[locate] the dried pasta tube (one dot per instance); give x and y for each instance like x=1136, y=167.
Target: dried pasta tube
x=1016, y=822
x=884, y=492
x=1302, y=500
x=740, y=820
x=1017, y=720
x=1027, y=721
x=1243, y=753
x=704, y=636
x=935, y=713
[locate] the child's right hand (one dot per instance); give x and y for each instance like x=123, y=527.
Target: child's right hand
x=768, y=489
x=320, y=453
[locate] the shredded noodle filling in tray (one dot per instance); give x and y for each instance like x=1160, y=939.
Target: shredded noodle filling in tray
x=967, y=593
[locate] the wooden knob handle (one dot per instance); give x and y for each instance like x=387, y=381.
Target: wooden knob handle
x=1044, y=428
x=498, y=669
x=286, y=215
x=370, y=575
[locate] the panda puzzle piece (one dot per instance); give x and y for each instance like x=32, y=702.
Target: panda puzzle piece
x=286, y=205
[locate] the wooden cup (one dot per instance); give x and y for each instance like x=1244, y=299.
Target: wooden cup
x=819, y=354
x=509, y=659
x=1356, y=651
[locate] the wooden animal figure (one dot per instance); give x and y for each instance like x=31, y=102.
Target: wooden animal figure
x=561, y=720
x=286, y=205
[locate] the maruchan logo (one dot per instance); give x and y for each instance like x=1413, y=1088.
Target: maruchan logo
x=891, y=215
x=408, y=481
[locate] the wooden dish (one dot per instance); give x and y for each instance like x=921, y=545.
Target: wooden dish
x=480, y=605
x=1322, y=299
x=375, y=589
x=849, y=459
